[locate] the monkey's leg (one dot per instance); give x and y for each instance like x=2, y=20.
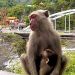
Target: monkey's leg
x=63, y=64
x=45, y=70
x=24, y=61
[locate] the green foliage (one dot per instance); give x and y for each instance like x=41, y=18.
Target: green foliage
x=15, y=66
x=3, y=3
x=23, y=9
x=10, y=3
x=17, y=42
x=16, y=11
x=19, y=46
x=0, y=17
x=64, y=42
x=29, y=8
x=70, y=70
x=60, y=24
x=26, y=19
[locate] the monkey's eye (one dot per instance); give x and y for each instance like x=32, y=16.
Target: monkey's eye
x=33, y=16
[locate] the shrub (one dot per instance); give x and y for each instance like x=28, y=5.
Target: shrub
x=16, y=41
x=70, y=69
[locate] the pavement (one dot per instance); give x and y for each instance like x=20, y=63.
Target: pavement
x=7, y=73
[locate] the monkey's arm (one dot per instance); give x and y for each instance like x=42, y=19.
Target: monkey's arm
x=59, y=53
x=31, y=48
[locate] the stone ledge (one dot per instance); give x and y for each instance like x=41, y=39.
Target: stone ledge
x=7, y=73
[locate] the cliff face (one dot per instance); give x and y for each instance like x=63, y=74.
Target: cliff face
x=6, y=51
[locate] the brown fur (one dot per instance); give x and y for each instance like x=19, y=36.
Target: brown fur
x=43, y=37
x=45, y=68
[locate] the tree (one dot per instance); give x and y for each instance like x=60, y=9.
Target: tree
x=3, y=3
x=16, y=11
x=11, y=3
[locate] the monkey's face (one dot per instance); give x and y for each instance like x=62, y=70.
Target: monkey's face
x=36, y=19
x=47, y=53
x=33, y=22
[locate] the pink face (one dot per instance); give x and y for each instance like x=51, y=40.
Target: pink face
x=33, y=22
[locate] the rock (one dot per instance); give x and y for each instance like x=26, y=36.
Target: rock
x=7, y=73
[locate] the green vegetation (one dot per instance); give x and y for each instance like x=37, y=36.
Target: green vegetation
x=22, y=8
x=70, y=70
x=16, y=41
x=16, y=11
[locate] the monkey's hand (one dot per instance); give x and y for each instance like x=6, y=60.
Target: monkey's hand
x=47, y=61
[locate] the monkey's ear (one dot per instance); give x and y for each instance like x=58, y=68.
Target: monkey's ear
x=46, y=13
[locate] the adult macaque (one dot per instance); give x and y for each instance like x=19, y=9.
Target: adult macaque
x=42, y=36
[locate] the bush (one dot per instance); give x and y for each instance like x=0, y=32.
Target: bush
x=70, y=69
x=26, y=20
x=16, y=41
x=15, y=66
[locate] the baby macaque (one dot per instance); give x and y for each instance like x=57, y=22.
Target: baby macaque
x=46, y=60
